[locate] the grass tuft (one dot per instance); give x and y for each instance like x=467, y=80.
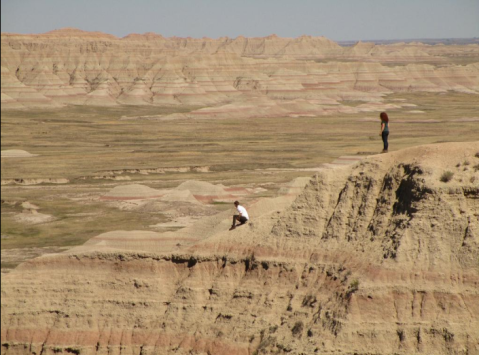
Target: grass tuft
x=353, y=287
x=446, y=176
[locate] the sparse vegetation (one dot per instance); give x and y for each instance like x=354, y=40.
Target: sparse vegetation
x=353, y=287
x=284, y=348
x=446, y=176
x=298, y=328
x=466, y=162
x=85, y=141
x=309, y=301
x=264, y=344
x=448, y=336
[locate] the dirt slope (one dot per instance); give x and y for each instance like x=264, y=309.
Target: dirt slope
x=377, y=258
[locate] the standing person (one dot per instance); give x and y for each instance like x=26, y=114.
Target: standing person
x=384, y=130
x=242, y=217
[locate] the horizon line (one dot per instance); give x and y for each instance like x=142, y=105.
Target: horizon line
x=239, y=36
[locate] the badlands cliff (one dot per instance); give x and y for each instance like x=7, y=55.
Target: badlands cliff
x=376, y=258
x=89, y=68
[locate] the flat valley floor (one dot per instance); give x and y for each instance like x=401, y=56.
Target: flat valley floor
x=82, y=153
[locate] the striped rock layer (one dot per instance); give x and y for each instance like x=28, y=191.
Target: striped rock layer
x=380, y=257
x=88, y=68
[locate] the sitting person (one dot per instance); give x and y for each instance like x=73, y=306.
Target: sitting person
x=242, y=217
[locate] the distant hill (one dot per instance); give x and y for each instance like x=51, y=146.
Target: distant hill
x=431, y=41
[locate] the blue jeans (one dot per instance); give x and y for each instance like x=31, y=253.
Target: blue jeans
x=385, y=140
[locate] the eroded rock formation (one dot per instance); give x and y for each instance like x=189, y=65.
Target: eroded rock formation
x=377, y=258
x=88, y=68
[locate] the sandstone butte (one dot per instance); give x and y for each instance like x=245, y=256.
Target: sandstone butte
x=376, y=258
x=71, y=66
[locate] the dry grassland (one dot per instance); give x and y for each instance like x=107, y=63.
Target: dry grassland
x=78, y=143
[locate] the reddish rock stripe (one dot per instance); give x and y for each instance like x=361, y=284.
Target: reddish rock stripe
x=210, y=198
x=128, y=198
x=236, y=189
x=158, y=239
x=119, y=337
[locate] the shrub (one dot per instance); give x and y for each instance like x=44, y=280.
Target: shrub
x=476, y=167
x=477, y=155
x=298, y=328
x=466, y=162
x=353, y=287
x=447, y=176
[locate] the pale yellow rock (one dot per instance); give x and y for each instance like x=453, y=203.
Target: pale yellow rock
x=70, y=66
x=378, y=257
x=16, y=153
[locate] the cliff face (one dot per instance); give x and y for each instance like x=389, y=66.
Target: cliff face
x=88, y=68
x=381, y=257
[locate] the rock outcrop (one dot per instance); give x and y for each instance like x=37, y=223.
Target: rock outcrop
x=89, y=68
x=376, y=258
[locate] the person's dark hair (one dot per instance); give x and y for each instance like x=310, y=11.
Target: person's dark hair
x=384, y=117
x=236, y=203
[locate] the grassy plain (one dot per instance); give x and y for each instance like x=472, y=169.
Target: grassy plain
x=76, y=142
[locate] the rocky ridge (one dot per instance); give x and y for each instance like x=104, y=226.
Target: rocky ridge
x=379, y=257
x=88, y=68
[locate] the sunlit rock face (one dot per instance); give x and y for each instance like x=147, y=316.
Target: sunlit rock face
x=70, y=66
x=376, y=258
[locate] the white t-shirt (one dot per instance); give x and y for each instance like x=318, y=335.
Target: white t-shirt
x=243, y=212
